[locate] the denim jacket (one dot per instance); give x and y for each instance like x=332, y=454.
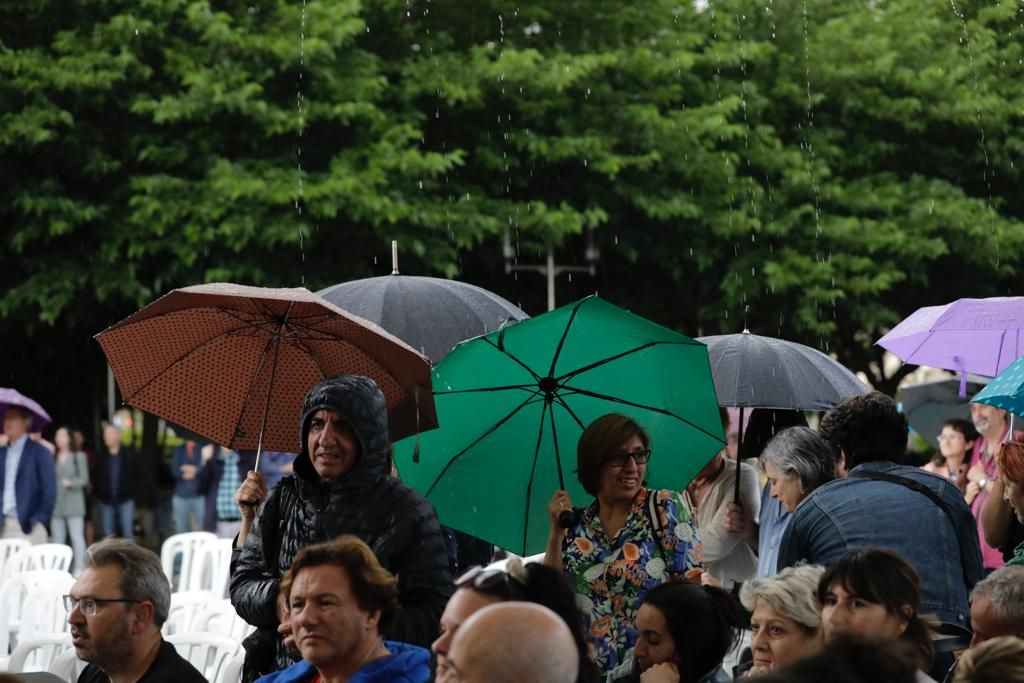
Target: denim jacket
x=852, y=513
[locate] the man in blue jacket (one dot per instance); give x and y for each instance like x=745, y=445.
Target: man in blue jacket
x=28, y=480
x=339, y=598
x=878, y=502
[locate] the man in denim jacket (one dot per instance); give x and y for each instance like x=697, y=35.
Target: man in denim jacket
x=855, y=511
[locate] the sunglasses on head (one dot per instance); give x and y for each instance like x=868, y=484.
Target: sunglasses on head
x=491, y=581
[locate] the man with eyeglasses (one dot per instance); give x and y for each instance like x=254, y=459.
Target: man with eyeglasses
x=116, y=609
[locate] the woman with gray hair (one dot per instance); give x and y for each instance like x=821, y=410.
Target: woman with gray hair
x=786, y=616
x=797, y=461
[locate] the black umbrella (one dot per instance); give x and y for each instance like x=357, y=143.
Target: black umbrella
x=751, y=371
x=928, y=404
x=430, y=314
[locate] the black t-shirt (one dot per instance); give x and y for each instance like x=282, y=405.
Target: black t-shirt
x=1014, y=537
x=168, y=667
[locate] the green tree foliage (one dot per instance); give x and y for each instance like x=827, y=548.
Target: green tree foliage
x=831, y=165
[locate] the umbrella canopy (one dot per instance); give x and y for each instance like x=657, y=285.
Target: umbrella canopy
x=1006, y=391
x=429, y=314
x=982, y=336
x=13, y=397
x=233, y=363
x=513, y=404
x=929, y=404
x=752, y=371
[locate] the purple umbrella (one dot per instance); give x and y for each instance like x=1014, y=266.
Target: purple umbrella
x=13, y=397
x=981, y=336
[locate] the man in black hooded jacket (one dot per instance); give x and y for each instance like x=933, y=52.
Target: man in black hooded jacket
x=342, y=485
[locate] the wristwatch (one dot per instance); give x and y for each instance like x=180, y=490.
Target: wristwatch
x=982, y=483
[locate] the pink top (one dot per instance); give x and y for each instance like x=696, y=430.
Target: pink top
x=991, y=557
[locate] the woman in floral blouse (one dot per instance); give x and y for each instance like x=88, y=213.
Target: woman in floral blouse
x=627, y=541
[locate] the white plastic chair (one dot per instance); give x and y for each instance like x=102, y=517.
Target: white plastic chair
x=43, y=556
x=220, y=617
x=186, y=545
x=211, y=568
x=67, y=665
x=231, y=671
x=9, y=547
x=207, y=652
x=32, y=603
x=184, y=608
x=38, y=653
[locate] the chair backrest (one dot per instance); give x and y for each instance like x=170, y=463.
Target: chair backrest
x=207, y=652
x=15, y=593
x=184, y=608
x=220, y=617
x=43, y=556
x=67, y=665
x=211, y=568
x=43, y=612
x=231, y=671
x=38, y=653
x=184, y=546
x=9, y=547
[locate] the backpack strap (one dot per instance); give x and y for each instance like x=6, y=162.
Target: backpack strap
x=924, y=491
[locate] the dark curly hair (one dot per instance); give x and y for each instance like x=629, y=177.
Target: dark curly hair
x=866, y=428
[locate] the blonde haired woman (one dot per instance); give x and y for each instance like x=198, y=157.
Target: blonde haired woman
x=786, y=616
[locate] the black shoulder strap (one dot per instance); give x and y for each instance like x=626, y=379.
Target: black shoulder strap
x=652, y=516
x=925, y=491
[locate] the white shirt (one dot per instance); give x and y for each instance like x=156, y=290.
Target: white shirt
x=14, y=451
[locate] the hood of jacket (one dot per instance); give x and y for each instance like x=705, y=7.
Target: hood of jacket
x=361, y=404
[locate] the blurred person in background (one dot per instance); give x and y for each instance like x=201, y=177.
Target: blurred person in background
x=72, y=471
x=953, y=457
x=116, y=479
x=28, y=487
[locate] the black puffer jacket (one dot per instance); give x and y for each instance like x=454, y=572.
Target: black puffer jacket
x=396, y=522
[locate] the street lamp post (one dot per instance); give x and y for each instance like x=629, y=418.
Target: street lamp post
x=550, y=270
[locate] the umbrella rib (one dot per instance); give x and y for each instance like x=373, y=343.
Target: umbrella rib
x=533, y=471
x=300, y=342
x=528, y=387
x=609, y=359
x=270, y=387
x=273, y=341
x=502, y=349
x=480, y=438
x=565, y=334
x=653, y=409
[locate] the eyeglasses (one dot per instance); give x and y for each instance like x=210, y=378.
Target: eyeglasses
x=949, y=437
x=90, y=605
x=640, y=457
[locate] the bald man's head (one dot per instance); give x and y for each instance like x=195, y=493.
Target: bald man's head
x=513, y=642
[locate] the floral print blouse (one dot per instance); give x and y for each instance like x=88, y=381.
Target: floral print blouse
x=610, y=576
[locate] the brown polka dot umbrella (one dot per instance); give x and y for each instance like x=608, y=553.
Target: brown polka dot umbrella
x=233, y=363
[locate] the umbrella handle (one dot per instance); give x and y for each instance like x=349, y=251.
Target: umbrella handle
x=739, y=457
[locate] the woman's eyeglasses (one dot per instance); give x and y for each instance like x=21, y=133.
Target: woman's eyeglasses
x=640, y=457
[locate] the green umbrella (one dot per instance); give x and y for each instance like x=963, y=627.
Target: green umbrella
x=512, y=405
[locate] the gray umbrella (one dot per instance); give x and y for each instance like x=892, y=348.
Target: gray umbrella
x=429, y=314
x=751, y=371
x=928, y=404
